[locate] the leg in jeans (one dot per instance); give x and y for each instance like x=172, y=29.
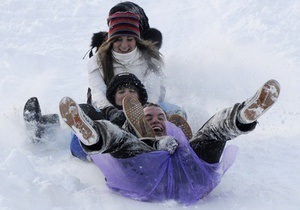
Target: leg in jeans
x=118, y=142
x=210, y=140
x=100, y=136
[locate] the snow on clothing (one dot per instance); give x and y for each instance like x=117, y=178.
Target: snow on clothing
x=132, y=62
x=192, y=172
x=209, y=141
x=159, y=176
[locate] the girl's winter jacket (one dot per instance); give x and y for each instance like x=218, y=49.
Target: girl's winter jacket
x=132, y=62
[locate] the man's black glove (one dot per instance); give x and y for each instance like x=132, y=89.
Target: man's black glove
x=115, y=115
x=90, y=111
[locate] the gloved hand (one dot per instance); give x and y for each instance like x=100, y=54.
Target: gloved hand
x=167, y=143
x=115, y=115
x=90, y=111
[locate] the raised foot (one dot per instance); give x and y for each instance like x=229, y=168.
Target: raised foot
x=74, y=117
x=263, y=100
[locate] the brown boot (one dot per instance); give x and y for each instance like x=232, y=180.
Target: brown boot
x=182, y=124
x=78, y=121
x=256, y=106
x=134, y=113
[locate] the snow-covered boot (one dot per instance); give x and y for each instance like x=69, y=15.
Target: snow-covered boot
x=50, y=123
x=257, y=105
x=180, y=122
x=134, y=113
x=51, y=119
x=78, y=121
x=32, y=116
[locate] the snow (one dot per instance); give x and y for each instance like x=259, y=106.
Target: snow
x=216, y=52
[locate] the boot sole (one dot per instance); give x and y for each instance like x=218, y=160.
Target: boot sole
x=180, y=122
x=262, y=101
x=134, y=113
x=73, y=117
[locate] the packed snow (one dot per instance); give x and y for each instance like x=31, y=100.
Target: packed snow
x=216, y=53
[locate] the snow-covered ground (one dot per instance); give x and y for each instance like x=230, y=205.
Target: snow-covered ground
x=216, y=52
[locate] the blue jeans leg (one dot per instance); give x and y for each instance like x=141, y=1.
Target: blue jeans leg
x=77, y=150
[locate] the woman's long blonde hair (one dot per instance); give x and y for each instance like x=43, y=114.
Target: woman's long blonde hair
x=147, y=48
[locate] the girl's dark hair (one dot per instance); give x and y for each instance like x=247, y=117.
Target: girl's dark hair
x=106, y=60
x=126, y=80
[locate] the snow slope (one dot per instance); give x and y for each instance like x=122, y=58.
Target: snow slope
x=217, y=53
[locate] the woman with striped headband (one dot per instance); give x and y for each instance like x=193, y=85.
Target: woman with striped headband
x=125, y=51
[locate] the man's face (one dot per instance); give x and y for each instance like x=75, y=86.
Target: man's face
x=156, y=117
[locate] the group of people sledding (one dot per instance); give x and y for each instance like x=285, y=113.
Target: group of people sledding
x=141, y=143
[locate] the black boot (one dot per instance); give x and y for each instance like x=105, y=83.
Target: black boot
x=51, y=119
x=37, y=124
x=32, y=116
x=50, y=122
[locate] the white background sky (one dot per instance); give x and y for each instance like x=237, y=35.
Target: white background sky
x=216, y=53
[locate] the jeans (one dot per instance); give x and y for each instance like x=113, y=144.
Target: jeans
x=210, y=140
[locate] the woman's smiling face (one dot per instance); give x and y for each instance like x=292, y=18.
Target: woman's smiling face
x=124, y=44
